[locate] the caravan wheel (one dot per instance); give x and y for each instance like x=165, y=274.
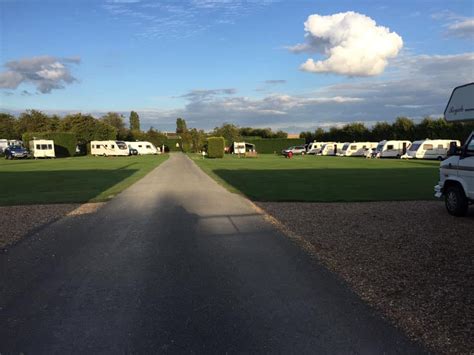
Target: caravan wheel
x=456, y=201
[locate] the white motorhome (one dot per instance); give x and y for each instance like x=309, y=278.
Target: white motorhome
x=456, y=181
x=42, y=148
x=357, y=149
x=436, y=149
x=314, y=148
x=392, y=149
x=109, y=148
x=331, y=148
x=144, y=148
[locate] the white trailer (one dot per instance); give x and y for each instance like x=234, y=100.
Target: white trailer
x=392, y=149
x=314, y=148
x=331, y=148
x=3, y=145
x=456, y=181
x=356, y=149
x=144, y=148
x=109, y=148
x=42, y=148
x=436, y=149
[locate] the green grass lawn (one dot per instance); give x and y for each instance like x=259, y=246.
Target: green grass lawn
x=80, y=179
x=326, y=179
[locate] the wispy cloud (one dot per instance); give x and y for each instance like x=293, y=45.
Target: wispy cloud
x=46, y=73
x=456, y=25
x=180, y=18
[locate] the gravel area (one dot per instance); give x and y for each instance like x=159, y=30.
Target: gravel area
x=17, y=222
x=410, y=260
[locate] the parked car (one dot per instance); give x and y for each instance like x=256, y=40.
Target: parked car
x=16, y=152
x=299, y=149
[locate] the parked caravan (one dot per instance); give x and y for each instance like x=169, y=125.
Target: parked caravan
x=392, y=149
x=109, y=148
x=3, y=145
x=430, y=149
x=314, y=148
x=331, y=148
x=42, y=148
x=144, y=148
x=357, y=149
x=456, y=175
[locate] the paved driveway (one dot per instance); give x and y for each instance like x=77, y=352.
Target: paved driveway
x=175, y=264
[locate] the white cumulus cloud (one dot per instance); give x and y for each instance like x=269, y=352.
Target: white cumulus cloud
x=352, y=43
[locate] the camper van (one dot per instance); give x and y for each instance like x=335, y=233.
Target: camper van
x=314, y=148
x=144, y=147
x=456, y=181
x=42, y=148
x=436, y=149
x=392, y=149
x=356, y=149
x=331, y=148
x=109, y=148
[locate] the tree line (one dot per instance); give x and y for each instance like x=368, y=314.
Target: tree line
x=403, y=129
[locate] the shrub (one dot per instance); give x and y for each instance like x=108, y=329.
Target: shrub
x=64, y=142
x=272, y=145
x=215, y=147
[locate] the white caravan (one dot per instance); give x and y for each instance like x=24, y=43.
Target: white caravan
x=42, y=148
x=109, y=148
x=144, y=148
x=356, y=149
x=392, y=149
x=456, y=181
x=436, y=149
x=3, y=145
x=331, y=148
x=314, y=148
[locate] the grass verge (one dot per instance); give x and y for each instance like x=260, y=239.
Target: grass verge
x=80, y=179
x=323, y=179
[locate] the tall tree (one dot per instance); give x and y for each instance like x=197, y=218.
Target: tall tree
x=181, y=126
x=229, y=131
x=116, y=120
x=7, y=126
x=134, y=121
x=33, y=121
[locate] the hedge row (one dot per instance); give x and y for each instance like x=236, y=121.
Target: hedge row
x=274, y=145
x=215, y=147
x=64, y=142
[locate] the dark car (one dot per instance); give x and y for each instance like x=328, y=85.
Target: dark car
x=16, y=152
x=133, y=151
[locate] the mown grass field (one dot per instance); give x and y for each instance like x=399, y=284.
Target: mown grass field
x=324, y=179
x=81, y=179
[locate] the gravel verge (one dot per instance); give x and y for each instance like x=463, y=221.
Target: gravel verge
x=18, y=221
x=410, y=260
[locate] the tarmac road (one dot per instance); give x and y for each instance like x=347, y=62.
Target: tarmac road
x=177, y=264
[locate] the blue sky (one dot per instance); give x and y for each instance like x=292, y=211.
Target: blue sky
x=245, y=62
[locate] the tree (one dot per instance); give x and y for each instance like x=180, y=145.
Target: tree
x=198, y=138
x=229, y=131
x=381, y=131
x=181, y=126
x=116, y=120
x=403, y=128
x=34, y=121
x=87, y=128
x=134, y=121
x=7, y=126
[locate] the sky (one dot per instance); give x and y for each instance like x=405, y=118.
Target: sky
x=291, y=65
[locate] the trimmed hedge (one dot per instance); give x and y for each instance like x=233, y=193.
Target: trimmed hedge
x=64, y=142
x=274, y=145
x=215, y=147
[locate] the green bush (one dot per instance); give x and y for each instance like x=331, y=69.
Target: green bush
x=274, y=145
x=215, y=147
x=64, y=142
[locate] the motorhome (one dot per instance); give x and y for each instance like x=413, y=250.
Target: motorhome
x=436, y=149
x=42, y=148
x=109, y=148
x=392, y=149
x=331, y=148
x=456, y=183
x=357, y=149
x=144, y=148
x=314, y=148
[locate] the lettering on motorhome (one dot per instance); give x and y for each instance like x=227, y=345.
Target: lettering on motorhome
x=454, y=110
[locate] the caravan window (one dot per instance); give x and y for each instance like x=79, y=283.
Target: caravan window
x=112, y=146
x=44, y=146
x=148, y=146
x=440, y=146
x=139, y=146
x=428, y=146
x=470, y=147
x=389, y=147
x=353, y=147
x=50, y=146
x=414, y=147
x=38, y=147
